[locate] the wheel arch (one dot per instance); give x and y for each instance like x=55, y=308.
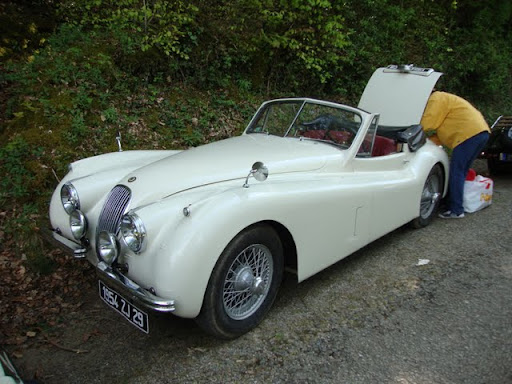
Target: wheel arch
x=216, y=320
x=288, y=243
x=444, y=176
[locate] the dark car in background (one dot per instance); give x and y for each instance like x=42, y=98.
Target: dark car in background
x=498, y=151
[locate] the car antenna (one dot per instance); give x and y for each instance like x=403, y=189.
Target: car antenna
x=118, y=139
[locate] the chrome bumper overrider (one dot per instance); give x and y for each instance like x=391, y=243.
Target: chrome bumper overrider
x=132, y=290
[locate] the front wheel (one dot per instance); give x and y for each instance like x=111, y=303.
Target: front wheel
x=430, y=197
x=243, y=284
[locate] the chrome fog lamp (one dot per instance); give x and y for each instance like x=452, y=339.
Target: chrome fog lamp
x=133, y=232
x=69, y=198
x=107, y=247
x=78, y=224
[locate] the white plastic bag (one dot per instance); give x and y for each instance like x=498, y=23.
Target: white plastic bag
x=477, y=194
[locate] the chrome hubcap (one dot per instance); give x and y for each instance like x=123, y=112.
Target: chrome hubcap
x=244, y=278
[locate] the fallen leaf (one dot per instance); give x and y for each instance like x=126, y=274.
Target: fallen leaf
x=21, y=271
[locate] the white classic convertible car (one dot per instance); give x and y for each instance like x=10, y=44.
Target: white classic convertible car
x=206, y=233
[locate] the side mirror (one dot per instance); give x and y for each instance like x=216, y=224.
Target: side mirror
x=259, y=171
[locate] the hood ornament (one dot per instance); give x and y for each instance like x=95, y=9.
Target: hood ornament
x=259, y=171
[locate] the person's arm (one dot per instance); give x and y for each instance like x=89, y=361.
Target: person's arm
x=434, y=115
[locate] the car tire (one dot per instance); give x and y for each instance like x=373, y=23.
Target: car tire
x=430, y=197
x=244, y=283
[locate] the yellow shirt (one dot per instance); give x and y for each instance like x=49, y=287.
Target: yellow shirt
x=452, y=119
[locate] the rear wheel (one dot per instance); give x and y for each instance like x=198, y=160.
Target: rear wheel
x=243, y=284
x=430, y=197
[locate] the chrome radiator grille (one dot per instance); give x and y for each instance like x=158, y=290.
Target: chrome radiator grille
x=114, y=208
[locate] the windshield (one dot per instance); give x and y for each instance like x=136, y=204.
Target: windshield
x=306, y=119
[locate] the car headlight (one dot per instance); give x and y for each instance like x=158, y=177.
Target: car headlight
x=78, y=224
x=69, y=198
x=133, y=232
x=107, y=247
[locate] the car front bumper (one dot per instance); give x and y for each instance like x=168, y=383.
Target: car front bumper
x=132, y=290
x=113, y=277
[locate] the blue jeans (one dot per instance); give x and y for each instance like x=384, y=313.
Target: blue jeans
x=463, y=156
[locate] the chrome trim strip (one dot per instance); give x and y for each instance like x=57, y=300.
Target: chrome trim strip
x=409, y=68
x=132, y=290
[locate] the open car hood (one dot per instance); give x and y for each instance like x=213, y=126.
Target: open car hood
x=399, y=94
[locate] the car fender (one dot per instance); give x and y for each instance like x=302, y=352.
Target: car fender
x=182, y=253
x=425, y=159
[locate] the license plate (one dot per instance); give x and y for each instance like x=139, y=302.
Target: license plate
x=133, y=314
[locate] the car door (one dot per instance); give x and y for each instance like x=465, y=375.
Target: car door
x=393, y=190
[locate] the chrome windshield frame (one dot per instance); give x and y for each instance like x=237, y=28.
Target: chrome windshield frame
x=301, y=104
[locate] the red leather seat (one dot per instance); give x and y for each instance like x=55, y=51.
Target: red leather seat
x=314, y=134
x=383, y=146
x=336, y=136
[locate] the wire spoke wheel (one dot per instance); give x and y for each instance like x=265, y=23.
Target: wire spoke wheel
x=244, y=283
x=430, y=197
x=248, y=281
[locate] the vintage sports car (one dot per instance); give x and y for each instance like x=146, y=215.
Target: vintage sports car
x=207, y=232
x=498, y=150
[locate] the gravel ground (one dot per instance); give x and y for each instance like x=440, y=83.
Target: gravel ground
x=375, y=317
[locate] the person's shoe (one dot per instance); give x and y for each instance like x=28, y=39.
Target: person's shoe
x=451, y=215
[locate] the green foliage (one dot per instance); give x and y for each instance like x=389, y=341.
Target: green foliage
x=470, y=42
x=383, y=32
x=13, y=165
x=480, y=59
x=149, y=24
x=24, y=26
x=306, y=31
x=266, y=43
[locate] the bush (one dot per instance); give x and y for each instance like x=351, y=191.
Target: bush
x=149, y=24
